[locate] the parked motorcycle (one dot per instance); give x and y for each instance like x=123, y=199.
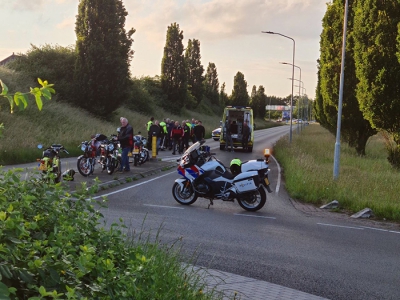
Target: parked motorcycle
x=87, y=160
x=50, y=163
x=140, y=153
x=109, y=154
x=205, y=176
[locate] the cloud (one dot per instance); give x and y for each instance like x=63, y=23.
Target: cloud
x=227, y=19
x=22, y=5
x=66, y=23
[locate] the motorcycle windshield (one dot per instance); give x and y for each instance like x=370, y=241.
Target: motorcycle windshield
x=192, y=148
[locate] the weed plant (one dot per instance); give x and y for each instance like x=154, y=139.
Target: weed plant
x=52, y=245
x=363, y=182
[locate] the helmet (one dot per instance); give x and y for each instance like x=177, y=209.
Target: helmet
x=68, y=175
x=235, y=166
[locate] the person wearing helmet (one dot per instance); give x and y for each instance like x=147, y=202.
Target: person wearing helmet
x=235, y=166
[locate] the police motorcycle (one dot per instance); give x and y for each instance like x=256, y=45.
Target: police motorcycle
x=50, y=163
x=207, y=177
x=140, y=153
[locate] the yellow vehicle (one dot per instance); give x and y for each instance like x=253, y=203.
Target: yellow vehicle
x=237, y=115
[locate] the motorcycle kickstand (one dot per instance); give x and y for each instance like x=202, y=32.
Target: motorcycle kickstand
x=211, y=203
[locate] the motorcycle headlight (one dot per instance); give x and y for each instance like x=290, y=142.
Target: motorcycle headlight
x=83, y=147
x=110, y=147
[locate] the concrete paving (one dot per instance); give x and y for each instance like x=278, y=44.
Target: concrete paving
x=227, y=285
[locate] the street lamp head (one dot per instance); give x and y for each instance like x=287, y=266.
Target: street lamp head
x=284, y=63
x=269, y=32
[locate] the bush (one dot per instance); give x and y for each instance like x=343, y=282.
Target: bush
x=52, y=245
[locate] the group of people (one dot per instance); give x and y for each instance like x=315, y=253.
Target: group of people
x=173, y=135
x=231, y=128
x=169, y=135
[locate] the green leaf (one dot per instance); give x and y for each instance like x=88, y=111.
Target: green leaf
x=40, y=82
x=4, y=292
x=4, y=88
x=39, y=102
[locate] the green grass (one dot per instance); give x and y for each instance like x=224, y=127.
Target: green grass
x=363, y=182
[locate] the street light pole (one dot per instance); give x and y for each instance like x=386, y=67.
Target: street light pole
x=339, y=118
x=291, y=99
x=301, y=83
x=285, y=63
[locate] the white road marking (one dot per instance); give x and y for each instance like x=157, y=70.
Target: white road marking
x=278, y=183
x=163, y=206
x=243, y=215
x=133, y=186
x=372, y=228
x=349, y=227
x=360, y=228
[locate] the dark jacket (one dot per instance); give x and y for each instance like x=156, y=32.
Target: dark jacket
x=199, y=132
x=155, y=129
x=125, y=136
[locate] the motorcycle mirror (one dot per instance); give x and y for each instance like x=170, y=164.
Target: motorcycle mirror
x=119, y=129
x=40, y=146
x=139, y=132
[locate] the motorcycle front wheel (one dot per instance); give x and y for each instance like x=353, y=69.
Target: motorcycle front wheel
x=84, y=166
x=255, y=201
x=184, y=195
x=110, y=165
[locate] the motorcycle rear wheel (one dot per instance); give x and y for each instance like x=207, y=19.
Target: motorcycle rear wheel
x=84, y=166
x=255, y=201
x=185, y=195
x=57, y=172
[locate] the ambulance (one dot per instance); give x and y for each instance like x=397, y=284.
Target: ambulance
x=237, y=115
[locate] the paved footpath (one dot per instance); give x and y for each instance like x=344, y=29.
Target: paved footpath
x=229, y=285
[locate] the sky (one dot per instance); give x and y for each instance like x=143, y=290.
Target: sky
x=229, y=31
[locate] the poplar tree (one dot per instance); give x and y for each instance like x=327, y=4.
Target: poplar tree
x=258, y=101
x=103, y=56
x=223, y=96
x=173, y=70
x=355, y=130
x=195, y=70
x=378, y=68
x=211, y=84
x=239, y=96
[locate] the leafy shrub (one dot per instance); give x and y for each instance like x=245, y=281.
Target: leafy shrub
x=52, y=246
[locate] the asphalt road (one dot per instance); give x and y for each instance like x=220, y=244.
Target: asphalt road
x=286, y=243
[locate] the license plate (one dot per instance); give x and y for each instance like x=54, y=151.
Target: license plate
x=42, y=167
x=135, y=151
x=266, y=181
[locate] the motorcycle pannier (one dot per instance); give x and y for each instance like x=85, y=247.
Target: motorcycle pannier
x=246, y=184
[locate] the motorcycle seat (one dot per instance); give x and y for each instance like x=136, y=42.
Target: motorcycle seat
x=228, y=175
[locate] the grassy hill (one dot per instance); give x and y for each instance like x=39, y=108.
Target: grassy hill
x=59, y=122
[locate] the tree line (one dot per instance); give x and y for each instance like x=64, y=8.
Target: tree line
x=371, y=90
x=94, y=73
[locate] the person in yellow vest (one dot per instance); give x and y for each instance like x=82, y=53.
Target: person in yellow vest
x=148, y=125
x=164, y=133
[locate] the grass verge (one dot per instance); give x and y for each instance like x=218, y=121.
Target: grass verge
x=363, y=182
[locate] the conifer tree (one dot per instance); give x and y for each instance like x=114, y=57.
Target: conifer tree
x=103, y=55
x=378, y=68
x=211, y=84
x=223, y=96
x=173, y=70
x=195, y=70
x=355, y=130
x=239, y=97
